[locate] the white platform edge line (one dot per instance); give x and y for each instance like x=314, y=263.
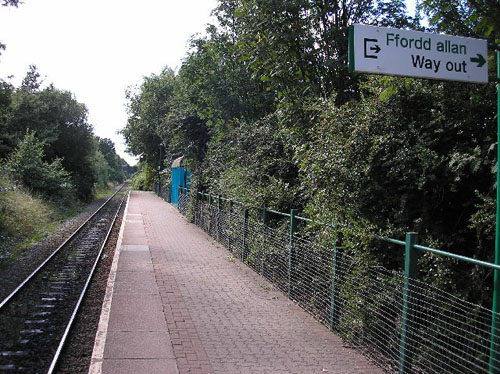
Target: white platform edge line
x=102, y=329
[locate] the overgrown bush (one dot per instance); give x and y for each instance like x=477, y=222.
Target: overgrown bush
x=412, y=155
x=26, y=165
x=144, y=178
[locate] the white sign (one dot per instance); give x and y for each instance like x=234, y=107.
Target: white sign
x=383, y=50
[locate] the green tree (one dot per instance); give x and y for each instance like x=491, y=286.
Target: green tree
x=102, y=169
x=73, y=138
x=163, y=123
x=147, y=108
x=219, y=85
x=256, y=166
x=31, y=81
x=267, y=60
x=477, y=18
x=107, y=148
x=298, y=48
x=6, y=140
x=58, y=120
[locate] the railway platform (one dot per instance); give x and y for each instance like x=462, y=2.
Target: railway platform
x=178, y=302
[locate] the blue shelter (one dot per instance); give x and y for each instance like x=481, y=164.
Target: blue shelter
x=180, y=178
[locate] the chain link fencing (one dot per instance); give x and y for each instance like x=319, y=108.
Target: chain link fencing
x=364, y=304
x=162, y=191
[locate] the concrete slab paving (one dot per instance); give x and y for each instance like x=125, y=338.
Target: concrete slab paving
x=140, y=366
x=133, y=336
x=134, y=258
x=134, y=237
x=138, y=344
x=131, y=312
x=133, y=266
x=137, y=277
x=135, y=282
x=135, y=248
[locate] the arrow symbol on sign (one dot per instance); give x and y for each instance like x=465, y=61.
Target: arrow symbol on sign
x=370, y=46
x=479, y=60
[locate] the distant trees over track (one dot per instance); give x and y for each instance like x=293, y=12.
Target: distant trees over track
x=44, y=133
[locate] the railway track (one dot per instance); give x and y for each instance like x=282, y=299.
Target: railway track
x=36, y=317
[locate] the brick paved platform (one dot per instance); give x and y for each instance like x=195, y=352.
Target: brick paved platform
x=177, y=302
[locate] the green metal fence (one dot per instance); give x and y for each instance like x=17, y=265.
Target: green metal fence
x=400, y=322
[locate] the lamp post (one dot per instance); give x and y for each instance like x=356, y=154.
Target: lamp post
x=160, y=162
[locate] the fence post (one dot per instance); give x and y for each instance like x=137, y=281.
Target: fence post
x=245, y=233
x=293, y=224
x=265, y=216
x=219, y=209
x=230, y=225
x=265, y=222
x=409, y=293
x=199, y=206
x=179, y=193
x=333, y=283
x=210, y=214
x=217, y=225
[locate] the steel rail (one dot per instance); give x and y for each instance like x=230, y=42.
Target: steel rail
x=62, y=342
x=29, y=277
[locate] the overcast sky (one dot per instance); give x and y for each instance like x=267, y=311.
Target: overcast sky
x=97, y=48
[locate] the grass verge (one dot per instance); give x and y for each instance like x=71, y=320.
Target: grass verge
x=26, y=219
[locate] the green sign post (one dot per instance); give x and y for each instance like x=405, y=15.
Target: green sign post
x=382, y=50
x=494, y=346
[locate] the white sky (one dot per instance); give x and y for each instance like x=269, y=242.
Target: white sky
x=97, y=48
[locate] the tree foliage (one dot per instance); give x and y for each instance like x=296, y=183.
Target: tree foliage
x=299, y=48
x=114, y=164
x=477, y=18
x=266, y=111
x=59, y=121
x=412, y=161
x=147, y=108
x=160, y=125
x=10, y=3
